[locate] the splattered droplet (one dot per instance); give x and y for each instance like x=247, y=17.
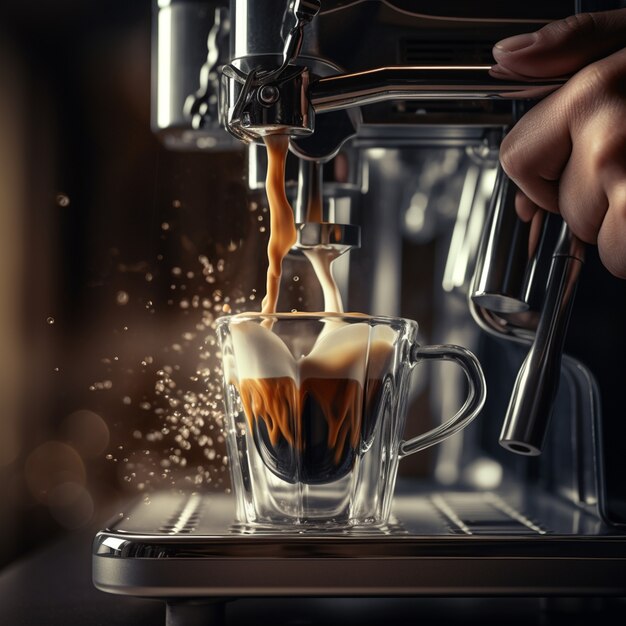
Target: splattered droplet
x=122, y=298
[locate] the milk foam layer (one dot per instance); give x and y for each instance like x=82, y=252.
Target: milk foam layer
x=341, y=351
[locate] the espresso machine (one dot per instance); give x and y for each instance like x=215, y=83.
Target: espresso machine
x=394, y=120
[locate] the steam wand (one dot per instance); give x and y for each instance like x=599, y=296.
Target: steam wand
x=530, y=406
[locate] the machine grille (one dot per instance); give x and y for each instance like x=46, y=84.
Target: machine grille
x=424, y=52
x=185, y=519
x=483, y=514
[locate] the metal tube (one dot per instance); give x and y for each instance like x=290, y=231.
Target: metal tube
x=508, y=270
x=537, y=382
x=189, y=43
x=310, y=199
x=454, y=82
x=298, y=98
x=257, y=27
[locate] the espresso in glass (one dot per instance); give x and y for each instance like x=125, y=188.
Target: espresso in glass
x=310, y=431
x=315, y=410
x=315, y=403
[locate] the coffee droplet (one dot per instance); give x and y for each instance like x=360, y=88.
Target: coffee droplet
x=122, y=298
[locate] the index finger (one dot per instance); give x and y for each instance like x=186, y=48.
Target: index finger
x=534, y=153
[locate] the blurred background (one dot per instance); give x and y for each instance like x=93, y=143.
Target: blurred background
x=114, y=263
x=117, y=255
x=113, y=266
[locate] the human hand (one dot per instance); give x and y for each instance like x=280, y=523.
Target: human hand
x=568, y=153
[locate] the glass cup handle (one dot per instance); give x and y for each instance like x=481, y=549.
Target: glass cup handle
x=474, y=402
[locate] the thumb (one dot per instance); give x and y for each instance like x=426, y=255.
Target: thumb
x=562, y=47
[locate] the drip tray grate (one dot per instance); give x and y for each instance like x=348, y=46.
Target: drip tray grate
x=437, y=543
x=483, y=514
x=186, y=517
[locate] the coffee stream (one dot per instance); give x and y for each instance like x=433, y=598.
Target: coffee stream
x=282, y=226
x=308, y=430
x=283, y=231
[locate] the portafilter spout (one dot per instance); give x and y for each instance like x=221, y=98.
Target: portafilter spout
x=316, y=227
x=261, y=95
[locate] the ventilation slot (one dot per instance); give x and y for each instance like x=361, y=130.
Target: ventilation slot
x=185, y=520
x=420, y=52
x=483, y=514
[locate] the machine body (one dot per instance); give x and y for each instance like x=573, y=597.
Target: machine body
x=395, y=123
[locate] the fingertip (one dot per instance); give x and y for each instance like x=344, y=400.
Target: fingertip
x=563, y=46
x=612, y=233
x=614, y=262
x=514, y=44
x=510, y=54
x=525, y=207
x=498, y=71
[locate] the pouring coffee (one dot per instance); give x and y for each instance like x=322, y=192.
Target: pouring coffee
x=315, y=402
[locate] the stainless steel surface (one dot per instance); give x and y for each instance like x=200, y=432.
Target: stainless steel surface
x=268, y=100
x=302, y=12
x=420, y=510
x=509, y=298
x=533, y=394
x=421, y=82
x=201, y=107
x=53, y=587
x=190, y=42
x=263, y=27
x=505, y=262
x=258, y=33
x=338, y=237
x=248, y=118
x=310, y=192
x=438, y=543
x=315, y=213
x=513, y=261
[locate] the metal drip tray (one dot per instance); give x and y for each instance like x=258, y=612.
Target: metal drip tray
x=437, y=543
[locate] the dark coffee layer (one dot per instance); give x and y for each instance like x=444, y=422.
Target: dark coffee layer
x=313, y=434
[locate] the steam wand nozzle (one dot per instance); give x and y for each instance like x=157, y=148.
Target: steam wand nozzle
x=530, y=407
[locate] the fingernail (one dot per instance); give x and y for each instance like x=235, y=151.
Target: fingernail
x=515, y=43
x=502, y=72
x=498, y=69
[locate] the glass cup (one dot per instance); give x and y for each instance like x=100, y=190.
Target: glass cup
x=315, y=412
